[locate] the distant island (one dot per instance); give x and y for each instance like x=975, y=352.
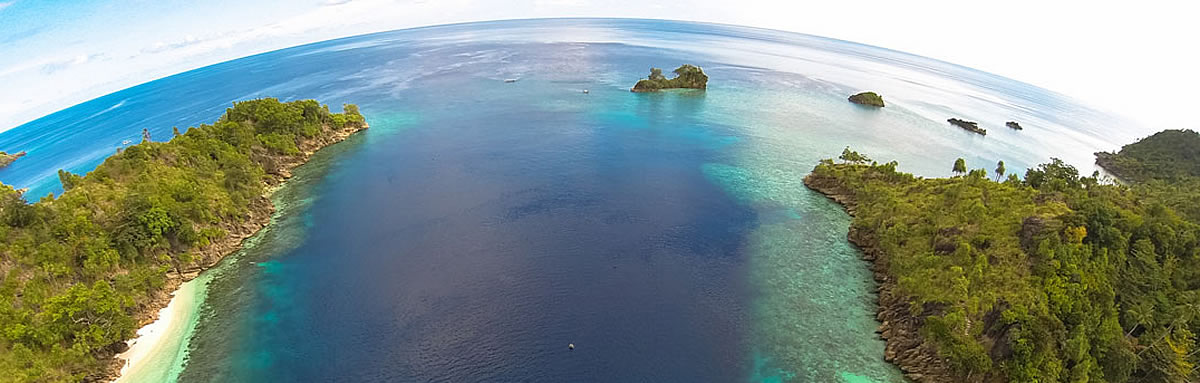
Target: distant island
x=1014, y=125
x=867, y=98
x=687, y=76
x=84, y=270
x=988, y=277
x=1167, y=155
x=7, y=159
x=970, y=126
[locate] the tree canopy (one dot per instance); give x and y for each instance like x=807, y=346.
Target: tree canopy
x=1166, y=155
x=1057, y=278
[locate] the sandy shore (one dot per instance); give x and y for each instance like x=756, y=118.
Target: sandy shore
x=155, y=353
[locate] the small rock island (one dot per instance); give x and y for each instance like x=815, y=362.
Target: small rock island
x=1014, y=125
x=687, y=76
x=867, y=98
x=970, y=126
x=6, y=159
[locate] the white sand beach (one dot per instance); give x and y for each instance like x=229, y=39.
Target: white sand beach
x=155, y=355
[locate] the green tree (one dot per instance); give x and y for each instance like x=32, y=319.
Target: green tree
x=1138, y=315
x=656, y=74
x=960, y=166
x=1000, y=170
x=68, y=179
x=853, y=157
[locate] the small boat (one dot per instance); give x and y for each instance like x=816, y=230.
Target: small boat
x=510, y=80
x=585, y=91
x=571, y=346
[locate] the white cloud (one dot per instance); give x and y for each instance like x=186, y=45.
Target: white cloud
x=6, y=4
x=161, y=46
x=58, y=65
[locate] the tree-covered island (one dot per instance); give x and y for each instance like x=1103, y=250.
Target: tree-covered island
x=83, y=270
x=1162, y=167
x=1054, y=278
x=1013, y=125
x=687, y=76
x=1166, y=155
x=867, y=98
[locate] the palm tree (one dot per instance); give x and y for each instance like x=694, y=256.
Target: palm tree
x=1190, y=307
x=960, y=166
x=1140, y=314
x=999, y=170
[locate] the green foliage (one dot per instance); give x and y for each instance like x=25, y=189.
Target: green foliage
x=68, y=179
x=853, y=157
x=1166, y=155
x=1058, y=278
x=686, y=76
x=1164, y=167
x=74, y=268
x=960, y=166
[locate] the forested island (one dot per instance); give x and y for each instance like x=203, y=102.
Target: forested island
x=867, y=98
x=1013, y=125
x=687, y=76
x=1163, y=167
x=1057, y=277
x=7, y=159
x=1166, y=155
x=82, y=271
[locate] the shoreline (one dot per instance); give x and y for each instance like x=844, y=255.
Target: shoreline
x=149, y=314
x=905, y=348
x=165, y=334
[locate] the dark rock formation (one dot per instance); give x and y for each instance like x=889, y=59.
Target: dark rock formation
x=6, y=159
x=970, y=126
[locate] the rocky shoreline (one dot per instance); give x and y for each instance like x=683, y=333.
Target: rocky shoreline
x=899, y=327
x=261, y=211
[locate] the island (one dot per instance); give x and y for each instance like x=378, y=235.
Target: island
x=1014, y=125
x=970, y=126
x=1053, y=277
x=1169, y=155
x=868, y=99
x=687, y=76
x=7, y=159
x=83, y=270
x=1163, y=167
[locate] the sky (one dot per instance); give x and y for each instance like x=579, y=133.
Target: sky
x=1124, y=57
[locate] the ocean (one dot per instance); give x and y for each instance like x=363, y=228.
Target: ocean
x=480, y=225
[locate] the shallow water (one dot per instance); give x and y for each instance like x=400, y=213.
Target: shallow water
x=480, y=226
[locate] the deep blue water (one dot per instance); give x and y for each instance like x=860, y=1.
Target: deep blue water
x=480, y=226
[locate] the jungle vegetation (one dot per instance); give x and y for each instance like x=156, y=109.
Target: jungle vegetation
x=1056, y=277
x=78, y=267
x=1163, y=167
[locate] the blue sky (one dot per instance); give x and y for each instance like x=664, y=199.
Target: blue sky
x=1120, y=56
